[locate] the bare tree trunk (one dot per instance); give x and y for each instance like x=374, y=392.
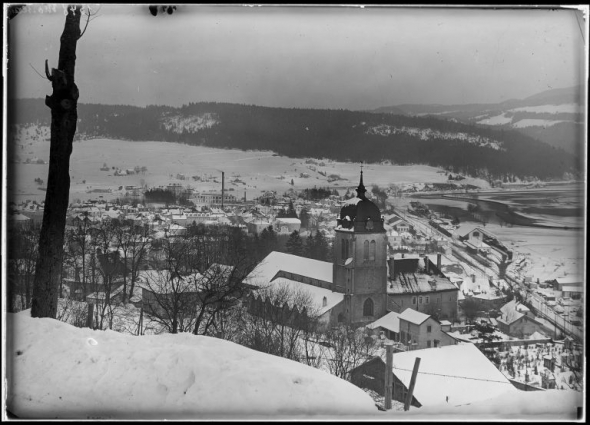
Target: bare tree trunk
x=64, y=117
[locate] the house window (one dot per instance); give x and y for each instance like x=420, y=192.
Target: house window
x=476, y=234
x=372, y=251
x=427, y=300
x=340, y=318
x=368, y=307
x=419, y=300
x=414, y=300
x=428, y=344
x=429, y=329
x=436, y=342
x=366, y=250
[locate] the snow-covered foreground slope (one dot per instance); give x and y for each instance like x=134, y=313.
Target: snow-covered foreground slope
x=520, y=405
x=54, y=370
x=57, y=370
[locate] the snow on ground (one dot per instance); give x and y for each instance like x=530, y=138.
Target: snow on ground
x=549, y=253
x=530, y=122
x=57, y=370
x=496, y=120
x=552, y=109
x=252, y=172
x=515, y=405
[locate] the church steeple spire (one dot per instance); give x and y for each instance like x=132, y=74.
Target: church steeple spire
x=360, y=190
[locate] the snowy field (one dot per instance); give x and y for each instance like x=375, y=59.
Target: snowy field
x=55, y=370
x=258, y=171
x=532, y=122
x=571, y=108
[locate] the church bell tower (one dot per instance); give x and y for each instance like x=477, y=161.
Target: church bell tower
x=360, y=259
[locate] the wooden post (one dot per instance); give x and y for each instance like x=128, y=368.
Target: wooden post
x=140, y=321
x=90, y=314
x=412, y=383
x=388, y=375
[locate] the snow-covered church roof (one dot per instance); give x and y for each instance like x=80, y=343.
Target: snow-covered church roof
x=280, y=261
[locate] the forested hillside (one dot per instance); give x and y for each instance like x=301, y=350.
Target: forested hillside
x=343, y=135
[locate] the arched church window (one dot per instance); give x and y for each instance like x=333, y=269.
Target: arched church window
x=343, y=249
x=324, y=302
x=372, y=251
x=366, y=250
x=368, y=307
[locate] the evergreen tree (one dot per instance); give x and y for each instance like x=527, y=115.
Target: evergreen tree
x=268, y=241
x=295, y=244
x=304, y=217
x=291, y=213
x=321, y=247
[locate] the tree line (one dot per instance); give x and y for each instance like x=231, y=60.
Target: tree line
x=334, y=134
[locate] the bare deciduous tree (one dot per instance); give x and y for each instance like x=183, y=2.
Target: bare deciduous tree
x=63, y=103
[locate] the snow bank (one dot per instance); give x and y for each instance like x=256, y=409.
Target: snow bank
x=55, y=370
x=525, y=405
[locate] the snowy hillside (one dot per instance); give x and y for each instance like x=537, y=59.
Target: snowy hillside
x=55, y=370
x=554, y=116
x=191, y=124
x=429, y=134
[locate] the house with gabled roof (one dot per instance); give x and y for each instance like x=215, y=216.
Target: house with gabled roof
x=419, y=331
x=455, y=375
x=518, y=321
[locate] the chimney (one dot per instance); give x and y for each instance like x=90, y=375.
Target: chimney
x=473, y=278
x=438, y=261
x=391, y=268
x=222, y=187
x=426, y=265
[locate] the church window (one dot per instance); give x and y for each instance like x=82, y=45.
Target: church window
x=368, y=307
x=324, y=302
x=344, y=249
x=366, y=250
x=372, y=251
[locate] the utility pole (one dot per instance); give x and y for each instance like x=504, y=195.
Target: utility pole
x=412, y=384
x=388, y=375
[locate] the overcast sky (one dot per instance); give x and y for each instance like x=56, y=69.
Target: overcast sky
x=332, y=57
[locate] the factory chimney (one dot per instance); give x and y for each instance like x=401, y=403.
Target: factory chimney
x=222, y=188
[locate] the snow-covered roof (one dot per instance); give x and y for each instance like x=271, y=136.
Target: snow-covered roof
x=454, y=375
x=572, y=289
x=419, y=283
x=413, y=316
x=390, y=322
x=289, y=220
x=274, y=262
x=316, y=293
x=570, y=279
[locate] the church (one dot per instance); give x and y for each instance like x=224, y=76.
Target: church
x=363, y=283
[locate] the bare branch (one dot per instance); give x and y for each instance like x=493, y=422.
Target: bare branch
x=45, y=78
x=47, y=71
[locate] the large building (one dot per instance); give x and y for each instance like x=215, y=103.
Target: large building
x=366, y=284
